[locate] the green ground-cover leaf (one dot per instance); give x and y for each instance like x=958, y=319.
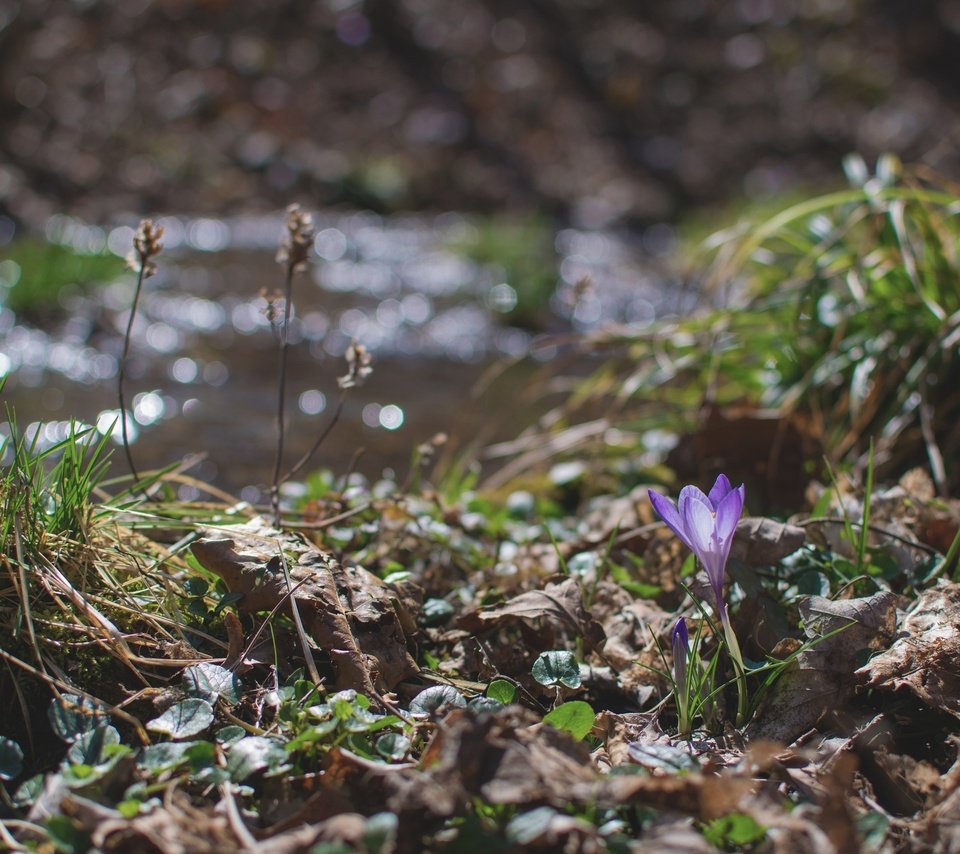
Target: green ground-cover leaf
x=735, y=829
x=393, y=746
x=662, y=757
x=88, y=749
x=255, y=753
x=11, y=759
x=428, y=701
x=502, y=691
x=210, y=682
x=183, y=720
x=575, y=717
x=557, y=667
x=73, y=716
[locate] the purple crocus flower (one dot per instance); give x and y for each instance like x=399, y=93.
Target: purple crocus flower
x=705, y=524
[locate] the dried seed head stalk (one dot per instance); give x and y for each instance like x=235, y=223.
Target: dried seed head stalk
x=296, y=243
x=273, y=305
x=359, y=366
x=146, y=246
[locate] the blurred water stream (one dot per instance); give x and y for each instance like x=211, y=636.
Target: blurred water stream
x=202, y=373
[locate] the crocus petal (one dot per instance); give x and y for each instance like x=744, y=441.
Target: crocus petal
x=692, y=493
x=698, y=524
x=720, y=489
x=714, y=565
x=728, y=514
x=667, y=511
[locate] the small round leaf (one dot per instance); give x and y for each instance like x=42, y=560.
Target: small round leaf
x=661, y=757
x=435, y=612
x=502, y=691
x=183, y=720
x=88, y=748
x=11, y=759
x=71, y=716
x=211, y=681
x=428, y=701
x=160, y=757
x=253, y=754
x=575, y=717
x=485, y=704
x=557, y=667
x=393, y=746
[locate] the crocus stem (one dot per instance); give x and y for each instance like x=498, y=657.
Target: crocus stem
x=683, y=713
x=733, y=648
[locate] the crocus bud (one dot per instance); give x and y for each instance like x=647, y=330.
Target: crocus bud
x=680, y=640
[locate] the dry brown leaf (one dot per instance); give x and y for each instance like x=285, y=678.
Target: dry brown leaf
x=767, y=448
x=559, y=604
x=763, y=542
x=698, y=794
x=505, y=757
x=179, y=828
x=821, y=678
x=617, y=731
x=356, y=618
x=924, y=658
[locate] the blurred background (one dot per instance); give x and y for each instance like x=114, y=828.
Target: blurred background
x=595, y=111
x=481, y=172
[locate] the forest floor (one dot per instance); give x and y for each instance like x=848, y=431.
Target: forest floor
x=470, y=672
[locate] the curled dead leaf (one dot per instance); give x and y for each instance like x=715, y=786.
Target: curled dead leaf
x=820, y=679
x=356, y=618
x=559, y=604
x=924, y=658
x=763, y=542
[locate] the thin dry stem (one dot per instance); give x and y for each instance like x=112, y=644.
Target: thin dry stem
x=299, y=464
x=281, y=397
x=146, y=246
x=295, y=611
x=293, y=254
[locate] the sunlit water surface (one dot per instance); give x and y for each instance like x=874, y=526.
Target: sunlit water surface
x=202, y=373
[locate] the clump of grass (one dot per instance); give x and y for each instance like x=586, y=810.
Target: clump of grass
x=863, y=286
x=843, y=309
x=75, y=586
x=46, y=493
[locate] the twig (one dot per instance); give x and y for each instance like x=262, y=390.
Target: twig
x=333, y=520
x=876, y=529
x=295, y=612
x=266, y=622
x=351, y=467
x=237, y=825
x=18, y=824
x=122, y=374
